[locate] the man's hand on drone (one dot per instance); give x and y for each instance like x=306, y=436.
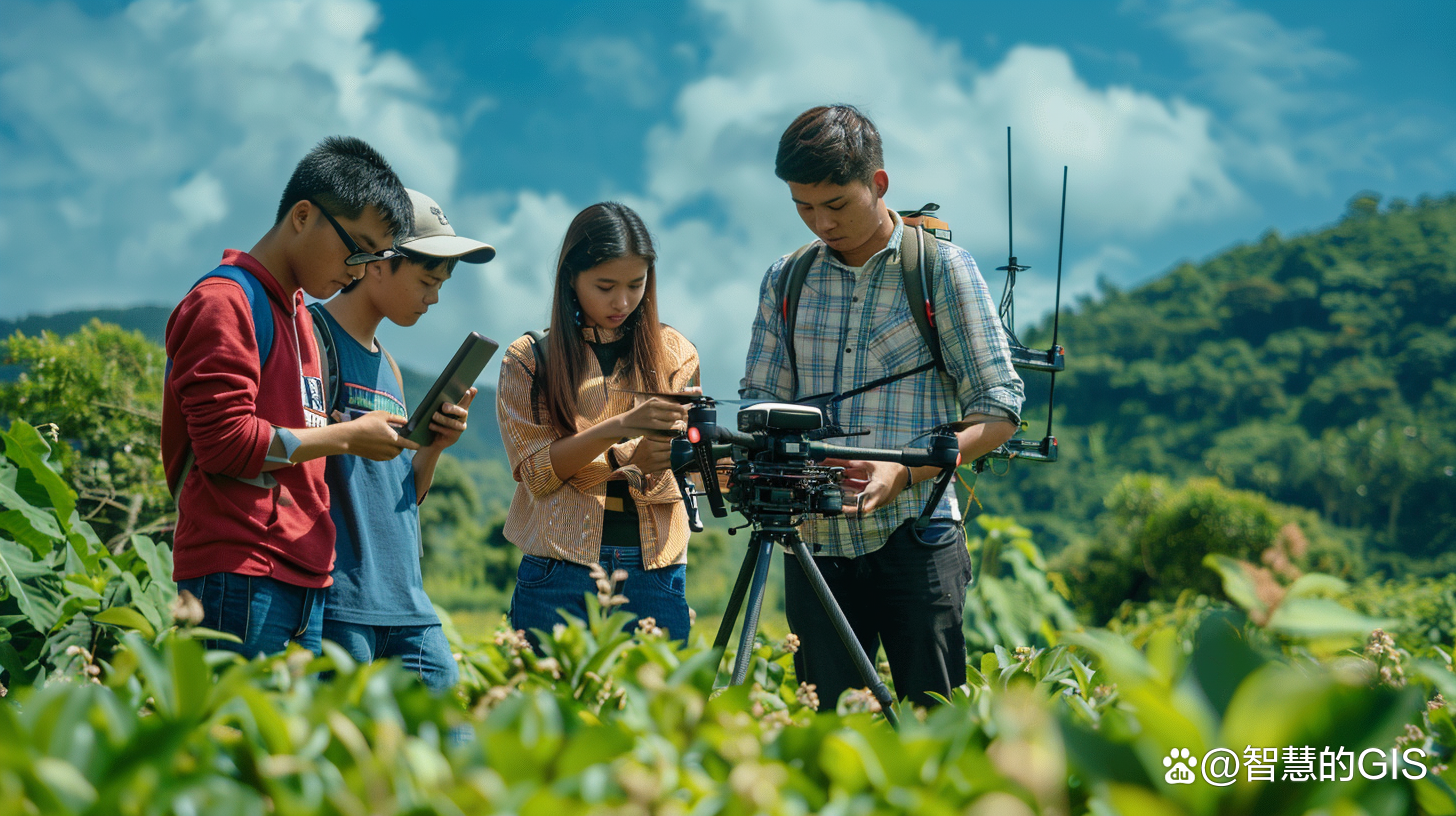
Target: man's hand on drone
x=869, y=485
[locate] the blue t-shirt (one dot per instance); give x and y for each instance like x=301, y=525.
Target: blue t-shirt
x=377, y=579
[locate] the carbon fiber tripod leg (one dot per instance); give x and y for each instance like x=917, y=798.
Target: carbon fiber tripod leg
x=846, y=633
x=735, y=599
x=764, y=546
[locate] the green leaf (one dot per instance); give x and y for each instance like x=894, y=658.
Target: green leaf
x=1237, y=584
x=126, y=617
x=1315, y=617
x=28, y=524
x=34, y=585
x=190, y=676
x=37, y=482
x=1317, y=585
x=155, y=557
x=66, y=783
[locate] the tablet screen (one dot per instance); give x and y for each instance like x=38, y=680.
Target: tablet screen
x=453, y=382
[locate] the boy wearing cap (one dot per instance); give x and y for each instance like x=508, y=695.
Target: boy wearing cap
x=377, y=607
x=243, y=425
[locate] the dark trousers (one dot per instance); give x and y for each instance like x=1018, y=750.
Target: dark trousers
x=907, y=595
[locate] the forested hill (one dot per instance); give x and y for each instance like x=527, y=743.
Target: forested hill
x=1318, y=369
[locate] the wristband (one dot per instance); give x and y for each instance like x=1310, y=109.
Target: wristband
x=290, y=443
x=909, y=476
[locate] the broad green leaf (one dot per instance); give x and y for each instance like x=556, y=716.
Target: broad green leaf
x=1236, y=583
x=34, y=585
x=1314, y=617
x=593, y=745
x=66, y=783
x=41, y=485
x=32, y=526
x=190, y=676
x=126, y=617
x=1317, y=585
x=154, y=556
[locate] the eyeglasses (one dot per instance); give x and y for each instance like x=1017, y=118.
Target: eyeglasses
x=357, y=254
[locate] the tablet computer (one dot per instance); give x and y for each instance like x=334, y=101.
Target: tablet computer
x=451, y=385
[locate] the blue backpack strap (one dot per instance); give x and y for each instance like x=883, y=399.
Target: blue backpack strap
x=262, y=333
x=257, y=301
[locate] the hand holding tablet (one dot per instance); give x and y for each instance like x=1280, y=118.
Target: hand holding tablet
x=451, y=386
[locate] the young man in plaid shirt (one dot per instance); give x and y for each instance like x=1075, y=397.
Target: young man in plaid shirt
x=854, y=326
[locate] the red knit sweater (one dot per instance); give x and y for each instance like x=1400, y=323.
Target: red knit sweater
x=212, y=398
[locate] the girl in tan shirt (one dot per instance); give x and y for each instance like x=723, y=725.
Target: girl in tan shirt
x=590, y=459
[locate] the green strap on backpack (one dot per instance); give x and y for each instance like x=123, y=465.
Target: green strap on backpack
x=919, y=263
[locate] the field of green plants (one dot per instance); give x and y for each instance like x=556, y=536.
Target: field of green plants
x=1245, y=604
x=112, y=705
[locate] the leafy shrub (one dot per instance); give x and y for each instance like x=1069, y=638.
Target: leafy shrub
x=62, y=592
x=1156, y=536
x=102, y=390
x=1015, y=601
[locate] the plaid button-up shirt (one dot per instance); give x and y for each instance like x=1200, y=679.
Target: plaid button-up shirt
x=851, y=331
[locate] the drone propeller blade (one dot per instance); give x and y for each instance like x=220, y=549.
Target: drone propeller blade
x=681, y=398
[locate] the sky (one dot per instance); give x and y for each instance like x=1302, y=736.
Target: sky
x=140, y=139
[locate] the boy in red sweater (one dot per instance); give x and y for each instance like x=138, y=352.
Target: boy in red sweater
x=244, y=433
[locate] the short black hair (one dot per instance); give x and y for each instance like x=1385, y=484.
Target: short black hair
x=833, y=143
x=345, y=175
x=429, y=262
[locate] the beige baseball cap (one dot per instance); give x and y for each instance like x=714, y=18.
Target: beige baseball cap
x=433, y=235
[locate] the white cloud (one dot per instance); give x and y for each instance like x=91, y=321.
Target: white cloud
x=1266, y=77
x=614, y=66
x=142, y=130
x=166, y=132
x=200, y=201
x=1138, y=163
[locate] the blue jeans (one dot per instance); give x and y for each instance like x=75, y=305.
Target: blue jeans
x=263, y=612
x=544, y=585
x=424, y=649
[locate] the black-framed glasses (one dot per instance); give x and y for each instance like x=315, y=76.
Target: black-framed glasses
x=357, y=254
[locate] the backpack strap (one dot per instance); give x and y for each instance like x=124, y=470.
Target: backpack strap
x=398, y=377
x=919, y=260
x=790, y=285
x=538, y=350
x=257, y=302
x=262, y=313
x=323, y=337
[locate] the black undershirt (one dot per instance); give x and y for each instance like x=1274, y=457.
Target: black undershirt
x=619, y=528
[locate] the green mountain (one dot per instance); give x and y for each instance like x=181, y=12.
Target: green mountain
x=1318, y=369
x=151, y=321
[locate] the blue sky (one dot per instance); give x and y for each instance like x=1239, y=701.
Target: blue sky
x=139, y=139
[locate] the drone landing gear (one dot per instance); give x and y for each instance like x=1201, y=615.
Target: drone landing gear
x=753, y=576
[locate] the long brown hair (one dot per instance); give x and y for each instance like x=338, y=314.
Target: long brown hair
x=600, y=233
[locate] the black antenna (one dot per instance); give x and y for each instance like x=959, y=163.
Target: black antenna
x=1050, y=360
x=1010, y=243
x=1008, y=303
x=1057, y=309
